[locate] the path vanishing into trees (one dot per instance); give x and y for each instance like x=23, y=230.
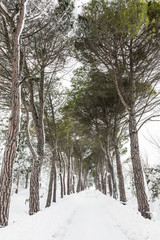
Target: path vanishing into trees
x=90, y=221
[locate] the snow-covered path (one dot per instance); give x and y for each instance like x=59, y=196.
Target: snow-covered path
x=90, y=221
x=88, y=215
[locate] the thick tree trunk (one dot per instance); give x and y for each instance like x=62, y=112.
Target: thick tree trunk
x=143, y=205
x=12, y=140
x=120, y=174
x=34, y=205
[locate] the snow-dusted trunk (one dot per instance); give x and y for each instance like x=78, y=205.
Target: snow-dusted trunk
x=120, y=173
x=12, y=140
x=142, y=200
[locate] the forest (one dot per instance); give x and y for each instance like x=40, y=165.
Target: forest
x=77, y=84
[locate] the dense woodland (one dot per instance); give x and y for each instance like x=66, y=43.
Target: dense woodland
x=78, y=135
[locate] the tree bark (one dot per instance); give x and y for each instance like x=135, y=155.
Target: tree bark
x=55, y=183
x=50, y=187
x=26, y=180
x=79, y=184
x=34, y=205
x=120, y=174
x=18, y=178
x=12, y=140
x=68, y=176
x=110, y=185
x=60, y=175
x=64, y=177
x=142, y=200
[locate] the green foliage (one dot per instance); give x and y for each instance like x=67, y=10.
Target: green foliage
x=124, y=17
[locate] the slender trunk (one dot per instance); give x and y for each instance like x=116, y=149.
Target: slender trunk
x=110, y=185
x=105, y=187
x=26, y=180
x=68, y=176
x=50, y=187
x=73, y=183
x=79, y=185
x=64, y=178
x=60, y=176
x=18, y=178
x=142, y=200
x=120, y=174
x=55, y=183
x=13, y=132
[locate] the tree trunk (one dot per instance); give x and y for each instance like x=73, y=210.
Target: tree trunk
x=68, y=176
x=110, y=185
x=34, y=205
x=143, y=205
x=49, y=196
x=79, y=184
x=37, y=115
x=60, y=176
x=73, y=187
x=64, y=177
x=12, y=140
x=55, y=183
x=120, y=174
x=26, y=180
x=18, y=178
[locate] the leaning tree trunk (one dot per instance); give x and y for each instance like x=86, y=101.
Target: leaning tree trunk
x=12, y=140
x=142, y=200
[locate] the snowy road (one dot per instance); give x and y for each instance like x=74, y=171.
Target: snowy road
x=88, y=215
x=90, y=221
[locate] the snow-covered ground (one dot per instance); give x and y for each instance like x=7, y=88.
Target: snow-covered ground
x=88, y=215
